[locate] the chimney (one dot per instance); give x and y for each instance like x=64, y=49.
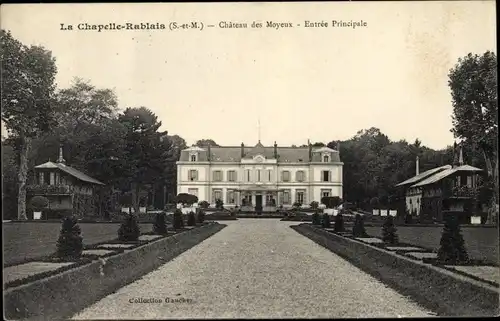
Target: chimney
x=310, y=150
x=461, y=157
x=338, y=146
x=242, y=150
x=275, y=150
x=417, y=167
x=61, y=159
x=209, y=154
x=455, y=158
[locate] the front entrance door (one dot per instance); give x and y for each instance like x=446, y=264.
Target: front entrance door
x=258, y=203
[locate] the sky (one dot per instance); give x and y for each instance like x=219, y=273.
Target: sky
x=302, y=83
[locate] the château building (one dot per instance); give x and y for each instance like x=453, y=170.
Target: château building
x=449, y=189
x=260, y=177
x=68, y=190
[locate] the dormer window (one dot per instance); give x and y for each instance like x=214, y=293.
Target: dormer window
x=326, y=158
x=193, y=157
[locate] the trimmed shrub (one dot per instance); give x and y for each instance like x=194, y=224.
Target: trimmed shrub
x=389, y=234
x=452, y=245
x=326, y=220
x=178, y=220
x=219, y=204
x=39, y=203
x=339, y=223
x=314, y=205
x=160, y=224
x=70, y=242
x=297, y=205
x=201, y=216
x=316, y=220
x=375, y=202
x=358, y=229
x=204, y=204
x=191, y=220
x=129, y=230
x=185, y=198
x=331, y=201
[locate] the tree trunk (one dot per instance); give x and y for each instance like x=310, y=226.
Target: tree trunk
x=492, y=174
x=135, y=197
x=22, y=177
x=153, y=195
x=164, y=195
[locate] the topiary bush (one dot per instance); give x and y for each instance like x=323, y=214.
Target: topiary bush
x=129, y=230
x=389, y=231
x=316, y=220
x=314, y=205
x=39, y=202
x=191, y=220
x=70, y=242
x=178, y=220
x=201, y=216
x=358, y=229
x=326, y=220
x=339, y=223
x=219, y=204
x=204, y=204
x=452, y=246
x=160, y=224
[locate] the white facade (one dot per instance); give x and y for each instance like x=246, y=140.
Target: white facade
x=259, y=175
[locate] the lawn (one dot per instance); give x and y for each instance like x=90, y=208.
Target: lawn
x=33, y=239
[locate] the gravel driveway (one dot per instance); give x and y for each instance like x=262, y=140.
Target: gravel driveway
x=255, y=268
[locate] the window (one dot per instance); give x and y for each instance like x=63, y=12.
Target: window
x=40, y=178
x=193, y=191
x=193, y=175
x=258, y=175
x=52, y=178
x=269, y=175
x=285, y=176
x=270, y=200
x=217, y=176
x=326, y=158
x=300, y=176
x=326, y=176
x=286, y=197
x=217, y=195
x=230, y=197
x=193, y=158
x=326, y=192
x=248, y=175
x=300, y=197
x=231, y=176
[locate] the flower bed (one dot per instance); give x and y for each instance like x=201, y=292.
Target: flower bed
x=61, y=295
x=87, y=258
x=84, y=259
x=432, y=286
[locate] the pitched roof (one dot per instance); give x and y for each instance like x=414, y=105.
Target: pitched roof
x=423, y=175
x=323, y=149
x=71, y=171
x=285, y=154
x=440, y=175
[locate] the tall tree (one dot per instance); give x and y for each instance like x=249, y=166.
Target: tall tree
x=145, y=148
x=473, y=84
x=206, y=142
x=28, y=75
x=83, y=104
